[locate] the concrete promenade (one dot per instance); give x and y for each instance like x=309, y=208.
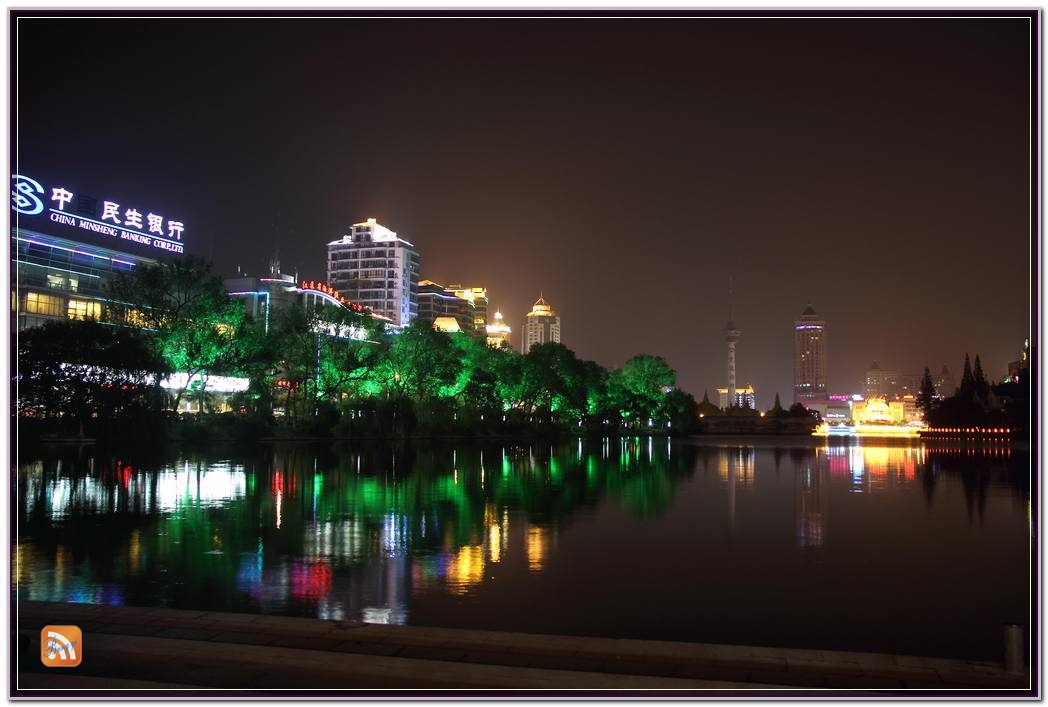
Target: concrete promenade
x=190, y=653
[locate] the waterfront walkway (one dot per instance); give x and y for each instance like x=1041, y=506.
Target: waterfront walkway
x=139, y=649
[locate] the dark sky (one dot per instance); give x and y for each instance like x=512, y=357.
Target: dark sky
x=876, y=168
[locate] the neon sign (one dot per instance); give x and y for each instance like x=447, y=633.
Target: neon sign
x=29, y=198
x=326, y=289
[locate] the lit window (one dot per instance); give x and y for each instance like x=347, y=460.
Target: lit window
x=82, y=309
x=37, y=303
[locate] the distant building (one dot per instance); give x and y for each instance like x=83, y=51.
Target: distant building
x=879, y=382
x=744, y=397
x=436, y=300
x=498, y=332
x=375, y=268
x=945, y=385
x=541, y=326
x=809, y=357
x=478, y=296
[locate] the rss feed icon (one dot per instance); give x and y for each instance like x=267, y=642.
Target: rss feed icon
x=61, y=646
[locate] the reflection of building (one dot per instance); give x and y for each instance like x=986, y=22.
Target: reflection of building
x=375, y=268
x=541, y=326
x=809, y=357
x=498, y=331
x=810, y=504
x=744, y=397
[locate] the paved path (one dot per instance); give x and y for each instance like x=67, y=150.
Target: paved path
x=173, y=650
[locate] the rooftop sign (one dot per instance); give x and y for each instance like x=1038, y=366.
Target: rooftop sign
x=105, y=218
x=324, y=288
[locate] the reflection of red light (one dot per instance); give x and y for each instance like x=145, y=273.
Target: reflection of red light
x=278, y=482
x=310, y=580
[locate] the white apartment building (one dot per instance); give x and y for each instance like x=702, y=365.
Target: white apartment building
x=373, y=267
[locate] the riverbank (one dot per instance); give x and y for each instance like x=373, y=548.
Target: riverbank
x=169, y=652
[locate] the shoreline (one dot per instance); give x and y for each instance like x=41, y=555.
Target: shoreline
x=177, y=649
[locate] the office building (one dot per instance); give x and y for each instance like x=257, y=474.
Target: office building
x=372, y=266
x=541, y=326
x=436, y=301
x=478, y=297
x=809, y=357
x=66, y=246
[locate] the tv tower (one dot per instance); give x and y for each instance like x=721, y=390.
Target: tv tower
x=731, y=335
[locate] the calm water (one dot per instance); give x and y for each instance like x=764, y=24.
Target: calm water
x=905, y=549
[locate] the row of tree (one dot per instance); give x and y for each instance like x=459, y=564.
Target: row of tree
x=303, y=365
x=976, y=402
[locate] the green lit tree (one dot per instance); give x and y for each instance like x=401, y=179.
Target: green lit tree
x=639, y=388
x=188, y=317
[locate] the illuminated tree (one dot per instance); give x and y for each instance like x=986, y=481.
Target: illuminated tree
x=639, y=388
x=191, y=321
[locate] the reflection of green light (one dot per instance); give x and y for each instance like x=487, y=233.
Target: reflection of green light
x=555, y=470
x=318, y=485
x=251, y=484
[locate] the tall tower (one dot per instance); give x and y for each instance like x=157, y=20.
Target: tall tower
x=809, y=357
x=542, y=325
x=731, y=335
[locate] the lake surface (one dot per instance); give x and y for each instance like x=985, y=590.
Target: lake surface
x=906, y=549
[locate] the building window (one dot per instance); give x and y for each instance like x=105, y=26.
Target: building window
x=37, y=303
x=82, y=309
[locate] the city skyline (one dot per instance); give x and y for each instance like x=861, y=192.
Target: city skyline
x=619, y=187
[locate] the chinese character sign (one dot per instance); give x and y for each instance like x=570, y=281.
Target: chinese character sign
x=124, y=221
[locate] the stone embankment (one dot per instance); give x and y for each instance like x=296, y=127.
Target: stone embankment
x=189, y=653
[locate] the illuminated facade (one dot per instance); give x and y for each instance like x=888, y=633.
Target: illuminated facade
x=541, y=326
x=809, y=357
x=478, y=296
x=374, y=267
x=436, y=301
x=744, y=397
x=57, y=278
x=67, y=245
x=498, y=332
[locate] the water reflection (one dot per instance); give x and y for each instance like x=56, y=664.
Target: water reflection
x=373, y=534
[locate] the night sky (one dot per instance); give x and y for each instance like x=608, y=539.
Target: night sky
x=875, y=168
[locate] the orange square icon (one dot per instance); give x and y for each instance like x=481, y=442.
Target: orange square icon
x=61, y=646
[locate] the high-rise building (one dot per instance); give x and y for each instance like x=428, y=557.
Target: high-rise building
x=478, y=296
x=435, y=301
x=879, y=383
x=372, y=266
x=541, y=326
x=498, y=331
x=809, y=357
